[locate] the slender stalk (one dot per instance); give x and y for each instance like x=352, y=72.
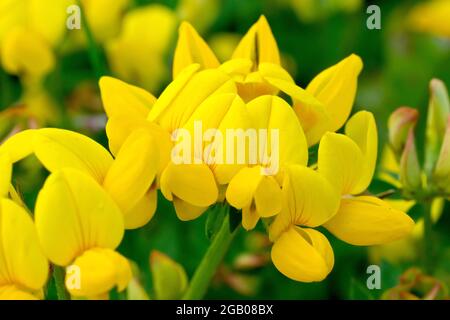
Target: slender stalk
x=211, y=260
x=428, y=238
x=59, y=276
x=95, y=55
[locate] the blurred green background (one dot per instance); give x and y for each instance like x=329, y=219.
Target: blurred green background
x=398, y=65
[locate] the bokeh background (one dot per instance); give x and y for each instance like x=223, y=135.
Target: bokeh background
x=135, y=40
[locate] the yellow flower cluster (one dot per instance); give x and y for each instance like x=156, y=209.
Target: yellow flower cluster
x=90, y=196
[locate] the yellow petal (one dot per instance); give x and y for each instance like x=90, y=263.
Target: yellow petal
x=133, y=171
x=19, y=146
x=26, y=52
x=193, y=183
x=362, y=129
x=58, y=149
x=242, y=187
x=258, y=44
x=5, y=174
x=49, y=21
x=336, y=87
x=186, y=211
x=12, y=292
x=268, y=197
x=309, y=200
x=143, y=211
x=250, y=217
x=311, y=113
x=191, y=48
x=368, y=221
x=124, y=100
x=100, y=271
x=182, y=97
x=22, y=261
x=256, y=194
x=73, y=213
x=275, y=115
x=303, y=255
x=118, y=130
x=336, y=153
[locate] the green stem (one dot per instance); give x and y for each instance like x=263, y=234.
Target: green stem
x=95, y=55
x=428, y=238
x=211, y=260
x=59, y=277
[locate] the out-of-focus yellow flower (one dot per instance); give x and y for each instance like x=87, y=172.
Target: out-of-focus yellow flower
x=23, y=265
x=137, y=54
x=129, y=178
x=431, y=17
x=79, y=226
x=201, y=13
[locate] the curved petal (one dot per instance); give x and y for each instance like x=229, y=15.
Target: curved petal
x=365, y=221
x=143, y=211
x=336, y=87
x=122, y=99
x=58, y=149
x=73, y=213
x=250, y=217
x=12, y=292
x=268, y=197
x=100, y=270
x=25, y=52
x=193, y=183
x=5, y=174
x=186, y=211
x=19, y=146
x=242, y=187
x=191, y=48
x=311, y=113
x=362, y=129
x=286, y=142
x=22, y=261
x=119, y=129
x=303, y=255
x=133, y=171
x=258, y=44
x=309, y=200
x=336, y=153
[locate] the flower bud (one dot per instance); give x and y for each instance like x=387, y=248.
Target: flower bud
x=438, y=111
x=441, y=174
x=169, y=278
x=410, y=174
x=399, y=124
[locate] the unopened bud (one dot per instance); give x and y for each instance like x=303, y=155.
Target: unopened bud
x=438, y=112
x=441, y=174
x=410, y=173
x=400, y=122
x=169, y=278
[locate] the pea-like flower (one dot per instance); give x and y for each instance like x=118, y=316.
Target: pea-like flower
x=79, y=226
x=129, y=178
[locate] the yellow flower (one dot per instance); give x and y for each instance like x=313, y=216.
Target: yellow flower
x=431, y=17
x=129, y=178
x=79, y=227
x=137, y=54
x=23, y=265
x=255, y=192
x=361, y=219
x=312, y=198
